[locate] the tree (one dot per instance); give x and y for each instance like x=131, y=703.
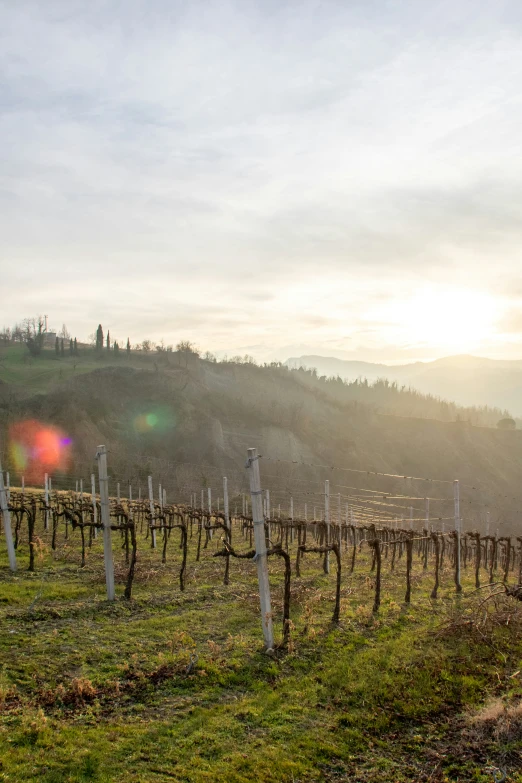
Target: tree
x=57, y=347
x=64, y=332
x=75, y=347
x=116, y=349
x=507, y=424
x=128, y=346
x=108, y=340
x=186, y=347
x=71, y=346
x=32, y=329
x=147, y=345
x=62, y=347
x=5, y=336
x=99, y=339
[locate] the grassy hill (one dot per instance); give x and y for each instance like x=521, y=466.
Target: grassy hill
x=205, y=415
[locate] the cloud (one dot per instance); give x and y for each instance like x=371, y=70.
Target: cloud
x=206, y=164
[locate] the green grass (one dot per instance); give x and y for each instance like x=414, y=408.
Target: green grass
x=31, y=374
x=91, y=691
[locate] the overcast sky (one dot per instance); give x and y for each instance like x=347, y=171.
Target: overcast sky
x=273, y=178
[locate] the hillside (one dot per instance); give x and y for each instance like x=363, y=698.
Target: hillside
x=206, y=414
x=468, y=380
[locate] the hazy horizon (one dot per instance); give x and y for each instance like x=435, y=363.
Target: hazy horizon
x=330, y=179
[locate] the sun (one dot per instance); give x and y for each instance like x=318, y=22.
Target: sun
x=449, y=319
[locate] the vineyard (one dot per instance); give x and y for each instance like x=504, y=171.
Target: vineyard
x=123, y=607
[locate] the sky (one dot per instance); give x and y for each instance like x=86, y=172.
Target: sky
x=278, y=179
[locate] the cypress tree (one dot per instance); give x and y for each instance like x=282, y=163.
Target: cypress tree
x=71, y=347
x=57, y=347
x=62, y=348
x=128, y=346
x=75, y=347
x=108, y=340
x=99, y=338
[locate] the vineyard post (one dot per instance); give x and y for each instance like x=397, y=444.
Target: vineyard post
x=202, y=499
x=209, y=498
x=81, y=500
x=411, y=517
x=94, y=507
x=456, y=493
x=7, y=524
x=106, y=521
x=487, y=523
x=118, y=493
x=160, y=496
x=164, y=497
x=46, y=488
x=306, y=512
x=151, y=505
x=291, y=520
x=23, y=487
x=327, y=521
x=8, y=486
x=261, y=556
x=427, y=513
x=50, y=485
x=225, y=502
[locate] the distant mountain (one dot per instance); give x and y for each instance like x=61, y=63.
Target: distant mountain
x=466, y=380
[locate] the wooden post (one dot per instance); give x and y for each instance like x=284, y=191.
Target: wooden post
x=23, y=487
x=7, y=524
x=160, y=496
x=94, y=507
x=327, y=521
x=152, y=514
x=8, y=486
x=106, y=521
x=261, y=557
x=209, y=498
x=118, y=495
x=46, y=487
x=456, y=494
x=164, y=497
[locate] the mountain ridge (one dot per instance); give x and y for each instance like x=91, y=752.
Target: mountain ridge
x=465, y=379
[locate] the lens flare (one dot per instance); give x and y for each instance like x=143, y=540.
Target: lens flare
x=38, y=448
x=162, y=419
